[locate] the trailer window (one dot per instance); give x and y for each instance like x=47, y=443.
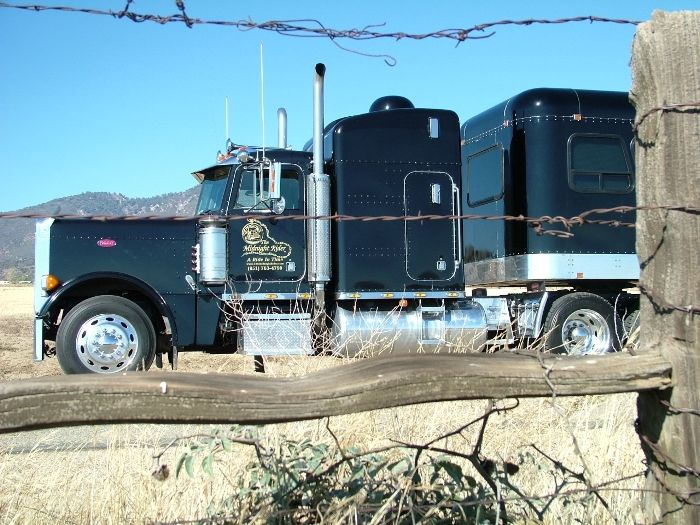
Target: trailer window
x=485, y=176
x=599, y=164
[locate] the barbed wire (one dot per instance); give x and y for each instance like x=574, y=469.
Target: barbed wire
x=679, y=410
x=661, y=304
x=310, y=28
x=314, y=28
x=536, y=222
x=684, y=107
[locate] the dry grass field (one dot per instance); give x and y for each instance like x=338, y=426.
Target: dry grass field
x=104, y=474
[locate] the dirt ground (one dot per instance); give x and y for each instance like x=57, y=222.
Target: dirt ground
x=16, y=335
x=121, y=457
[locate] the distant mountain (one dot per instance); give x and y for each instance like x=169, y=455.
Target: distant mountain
x=17, y=235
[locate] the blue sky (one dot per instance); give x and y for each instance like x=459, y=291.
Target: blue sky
x=92, y=103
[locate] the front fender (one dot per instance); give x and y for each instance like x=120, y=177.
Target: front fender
x=90, y=285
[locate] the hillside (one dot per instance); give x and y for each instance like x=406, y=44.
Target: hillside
x=17, y=235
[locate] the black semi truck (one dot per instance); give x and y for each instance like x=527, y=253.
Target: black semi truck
x=260, y=270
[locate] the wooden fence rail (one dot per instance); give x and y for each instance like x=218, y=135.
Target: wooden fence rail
x=369, y=384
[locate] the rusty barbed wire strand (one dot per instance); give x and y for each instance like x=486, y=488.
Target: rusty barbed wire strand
x=576, y=220
x=685, y=469
x=678, y=410
x=535, y=222
x=567, y=222
x=660, y=304
x=317, y=29
x=684, y=107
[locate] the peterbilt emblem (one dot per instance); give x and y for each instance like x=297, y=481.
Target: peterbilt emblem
x=106, y=243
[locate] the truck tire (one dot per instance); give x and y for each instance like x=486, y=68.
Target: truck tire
x=105, y=335
x=630, y=323
x=581, y=323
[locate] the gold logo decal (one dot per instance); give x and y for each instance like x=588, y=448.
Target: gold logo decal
x=263, y=253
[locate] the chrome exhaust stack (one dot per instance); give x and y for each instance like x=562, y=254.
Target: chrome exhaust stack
x=319, y=195
x=282, y=128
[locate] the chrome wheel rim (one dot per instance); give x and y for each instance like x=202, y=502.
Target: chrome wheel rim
x=585, y=332
x=107, y=343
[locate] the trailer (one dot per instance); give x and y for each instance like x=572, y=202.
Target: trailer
x=264, y=270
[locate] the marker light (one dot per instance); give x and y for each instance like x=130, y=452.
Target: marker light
x=49, y=283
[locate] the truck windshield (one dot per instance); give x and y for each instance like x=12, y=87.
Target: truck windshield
x=212, y=193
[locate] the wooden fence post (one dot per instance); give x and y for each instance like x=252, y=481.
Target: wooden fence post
x=666, y=93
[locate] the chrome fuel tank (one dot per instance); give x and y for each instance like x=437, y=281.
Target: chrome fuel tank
x=460, y=327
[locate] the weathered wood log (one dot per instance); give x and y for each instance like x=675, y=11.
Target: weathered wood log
x=666, y=93
x=368, y=384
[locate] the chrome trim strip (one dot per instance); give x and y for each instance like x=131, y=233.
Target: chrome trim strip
x=38, y=339
x=305, y=296
x=458, y=226
x=42, y=245
x=553, y=266
x=302, y=296
x=454, y=294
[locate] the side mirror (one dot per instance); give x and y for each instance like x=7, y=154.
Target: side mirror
x=278, y=205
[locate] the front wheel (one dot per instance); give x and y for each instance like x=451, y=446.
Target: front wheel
x=105, y=335
x=581, y=323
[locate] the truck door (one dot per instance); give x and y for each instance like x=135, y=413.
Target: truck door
x=263, y=246
x=431, y=245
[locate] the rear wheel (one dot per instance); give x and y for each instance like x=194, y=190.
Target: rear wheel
x=105, y=335
x=581, y=323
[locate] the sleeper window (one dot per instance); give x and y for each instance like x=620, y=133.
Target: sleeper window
x=485, y=175
x=599, y=164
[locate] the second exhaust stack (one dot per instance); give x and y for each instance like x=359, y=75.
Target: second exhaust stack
x=319, y=195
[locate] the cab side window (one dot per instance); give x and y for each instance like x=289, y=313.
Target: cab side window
x=290, y=189
x=248, y=190
x=254, y=189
